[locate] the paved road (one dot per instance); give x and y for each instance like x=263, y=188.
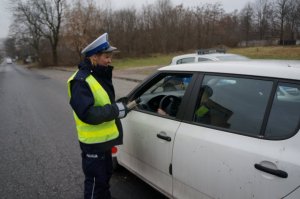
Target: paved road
x=39, y=150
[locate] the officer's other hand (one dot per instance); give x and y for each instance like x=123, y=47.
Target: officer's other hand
x=131, y=105
x=123, y=110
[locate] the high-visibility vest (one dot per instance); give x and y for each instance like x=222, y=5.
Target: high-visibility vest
x=201, y=111
x=91, y=134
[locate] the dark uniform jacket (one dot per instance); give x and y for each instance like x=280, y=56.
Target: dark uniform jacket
x=82, y=103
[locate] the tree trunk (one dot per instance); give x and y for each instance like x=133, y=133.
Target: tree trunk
x=54, y=55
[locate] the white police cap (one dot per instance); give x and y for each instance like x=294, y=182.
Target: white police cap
x=100, y=44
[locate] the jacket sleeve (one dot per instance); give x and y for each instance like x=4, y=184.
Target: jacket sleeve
x=82, y=102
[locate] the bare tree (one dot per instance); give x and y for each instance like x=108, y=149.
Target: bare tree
x=199, y=18
x=261, y=13
x=80, y=25
x=163, y=9
x=51, y=12
x=293, y=19
x=156, y=28
x=25, y=27
x=228, y=29
x=124, y=25
x=26, y=44
x=43, y=17
x=10, y=47
x=246, y=21
x=281, y=9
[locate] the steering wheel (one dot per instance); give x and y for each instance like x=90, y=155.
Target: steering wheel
x=170, y=104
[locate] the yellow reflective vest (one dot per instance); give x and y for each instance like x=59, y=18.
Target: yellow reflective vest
x=92, y=134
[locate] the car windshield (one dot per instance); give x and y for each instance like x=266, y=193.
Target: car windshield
x=232, y=58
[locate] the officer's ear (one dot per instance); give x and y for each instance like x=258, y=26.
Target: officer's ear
x=93, y=59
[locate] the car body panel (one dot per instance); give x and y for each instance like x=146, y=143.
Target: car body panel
x=294, y=194
x=144, y=152
x=216, y=161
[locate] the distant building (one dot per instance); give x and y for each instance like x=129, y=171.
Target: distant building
x=273, y=42
x=254, y=43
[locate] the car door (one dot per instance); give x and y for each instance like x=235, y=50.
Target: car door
x=149, y=133
x=227, y=148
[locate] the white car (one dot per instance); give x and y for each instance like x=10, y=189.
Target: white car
x=8, y=60
x=217, y=130
x=206, y=56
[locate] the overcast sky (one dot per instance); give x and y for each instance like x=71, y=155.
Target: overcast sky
x=228, y=5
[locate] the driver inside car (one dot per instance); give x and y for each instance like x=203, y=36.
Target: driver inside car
x=169, y=104
x=161, y=112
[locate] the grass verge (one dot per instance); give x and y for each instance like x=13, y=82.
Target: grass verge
x=272, y=52
x=154, y=60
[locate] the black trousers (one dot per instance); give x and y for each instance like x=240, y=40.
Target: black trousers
x=97, y=169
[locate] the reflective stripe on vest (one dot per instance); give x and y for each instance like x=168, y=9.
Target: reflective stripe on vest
x=91, y=134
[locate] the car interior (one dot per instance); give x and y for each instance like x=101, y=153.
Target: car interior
x=235, y=100
x=165, y=95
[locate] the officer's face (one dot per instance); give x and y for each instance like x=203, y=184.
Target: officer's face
x=103, y=59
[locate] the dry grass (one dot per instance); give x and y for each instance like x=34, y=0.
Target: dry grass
x=154, y=60
x=274, y=52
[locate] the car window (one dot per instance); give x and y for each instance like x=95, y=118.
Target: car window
x=285, y=113
x=200, y=59
x=233, y=103
x=232, y=58
x=165, y=94
x=186, y=60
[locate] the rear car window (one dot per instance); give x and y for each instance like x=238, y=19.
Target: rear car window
x=238, y=104
x=285, y=113
x=200, y=59
x=231, y=58
x=186, y=60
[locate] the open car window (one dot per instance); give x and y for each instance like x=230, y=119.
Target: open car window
x=164, y=95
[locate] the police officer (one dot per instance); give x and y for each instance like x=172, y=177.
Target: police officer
x=97, y=115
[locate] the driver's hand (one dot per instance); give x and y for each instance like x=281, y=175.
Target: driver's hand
x=162, y=112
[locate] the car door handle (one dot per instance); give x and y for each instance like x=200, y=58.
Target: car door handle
x=276, y=172
x=162, y=135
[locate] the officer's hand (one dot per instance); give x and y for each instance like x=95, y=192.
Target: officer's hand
x=123, y=110
x=131, y=105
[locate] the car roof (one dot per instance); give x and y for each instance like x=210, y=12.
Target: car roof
x=211, y=56
x=185, y=55
x=202, y=55
x=287, y=69
x=217, y=56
